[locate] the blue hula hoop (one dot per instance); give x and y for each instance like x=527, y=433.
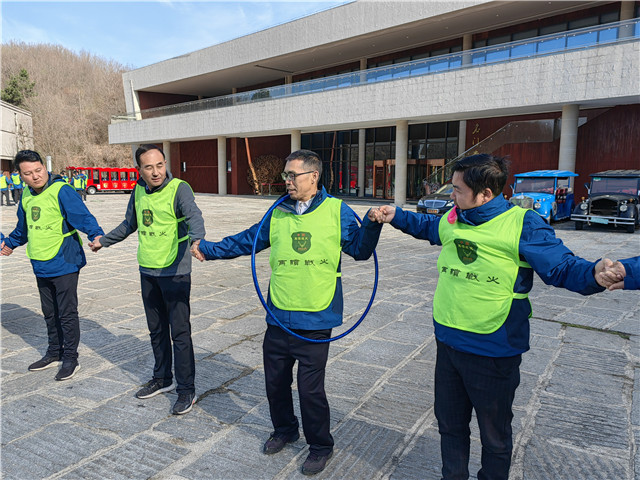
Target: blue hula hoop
x=268, y=310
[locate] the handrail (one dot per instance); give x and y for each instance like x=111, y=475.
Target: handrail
x=578, y=39
x=520, y=131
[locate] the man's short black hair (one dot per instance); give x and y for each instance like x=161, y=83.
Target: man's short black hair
x=310, y=160
x=483, y=171
x=26, y=156
x=142, y=149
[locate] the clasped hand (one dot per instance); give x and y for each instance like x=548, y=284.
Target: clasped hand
x=609, y=274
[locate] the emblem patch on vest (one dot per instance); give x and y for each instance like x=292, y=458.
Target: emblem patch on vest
x=467, y=251
x=301, y=241
x=147, y=217
x=35, y=213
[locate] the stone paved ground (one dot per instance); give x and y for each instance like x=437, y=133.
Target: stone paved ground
x=577, y=411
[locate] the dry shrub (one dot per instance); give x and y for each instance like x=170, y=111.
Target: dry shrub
x=268, y=169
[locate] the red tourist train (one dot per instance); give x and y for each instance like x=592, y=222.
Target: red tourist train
x=106, y=179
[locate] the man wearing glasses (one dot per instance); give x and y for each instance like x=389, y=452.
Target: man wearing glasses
x=306, y=233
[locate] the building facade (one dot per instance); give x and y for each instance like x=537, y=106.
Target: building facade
x=17, y=133
x=389, y=95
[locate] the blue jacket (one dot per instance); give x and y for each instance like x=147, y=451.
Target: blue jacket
x=70, y=258
x=632, y=270
x=357, y=241
x=549, y=258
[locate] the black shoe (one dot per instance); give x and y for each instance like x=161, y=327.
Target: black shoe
x=315, y=463
x=44, y=363
x=185, y=403
x=275, y=444
x=152, y=388
x=68, y=370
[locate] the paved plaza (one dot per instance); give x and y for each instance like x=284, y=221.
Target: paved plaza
x=577, y=410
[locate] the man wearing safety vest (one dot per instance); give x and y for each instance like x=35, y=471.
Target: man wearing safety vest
x=164, y=212
x=17, y=186
x=307, y=234
x=481, y=309
x=5, y=184
x=79, y=184
x=49, y=215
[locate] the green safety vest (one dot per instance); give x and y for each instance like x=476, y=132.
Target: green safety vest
x=44, y=223
x=305, y=255
x=17, y=181
x=78, y=183
x=158, y=226
x=478, y=267
x=3, y=182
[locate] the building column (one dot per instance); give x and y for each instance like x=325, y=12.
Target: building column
x=462, y=136
x=296, y=140
x=568, y=138
x=362, y=150
x=467, y=44
x=135, y=101
x=402, y=145
x=626, y=13
x=363, y=69
x=166, y=148
x=222, y=165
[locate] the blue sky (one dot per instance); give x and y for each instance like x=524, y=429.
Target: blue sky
x=136, y=34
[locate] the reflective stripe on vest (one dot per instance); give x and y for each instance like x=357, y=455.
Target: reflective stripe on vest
x=44, y=222
x=478, y=267
x=158, y=225
x=305, y=255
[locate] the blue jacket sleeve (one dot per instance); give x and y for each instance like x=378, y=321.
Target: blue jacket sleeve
x=18, y=236
x=358, y=241
x=418, y=225
x=552, y=260
x=632, y=273
x=77, y=214
x=239, y=244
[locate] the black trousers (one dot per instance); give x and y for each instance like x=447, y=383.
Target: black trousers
x=59, y=300
x=280, y=352
x=83, y=193
x=17, y=195
x=463, y=382
x=5, y=197
x=166, y=304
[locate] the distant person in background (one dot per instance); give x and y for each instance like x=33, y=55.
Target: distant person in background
x=5, y=183
x=49, y=215
x=17, y=186
x=79, y=184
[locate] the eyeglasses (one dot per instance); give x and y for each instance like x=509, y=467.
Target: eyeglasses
x=292, y=176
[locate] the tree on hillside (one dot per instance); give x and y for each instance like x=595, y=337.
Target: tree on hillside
x=18, y=89
x=75, y=96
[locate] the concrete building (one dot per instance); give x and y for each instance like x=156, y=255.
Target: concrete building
x=388, y=92
x=17, y=133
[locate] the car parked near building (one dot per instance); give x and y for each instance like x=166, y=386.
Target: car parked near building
x=437, y=203
x=547, y=192
x=614, y=199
